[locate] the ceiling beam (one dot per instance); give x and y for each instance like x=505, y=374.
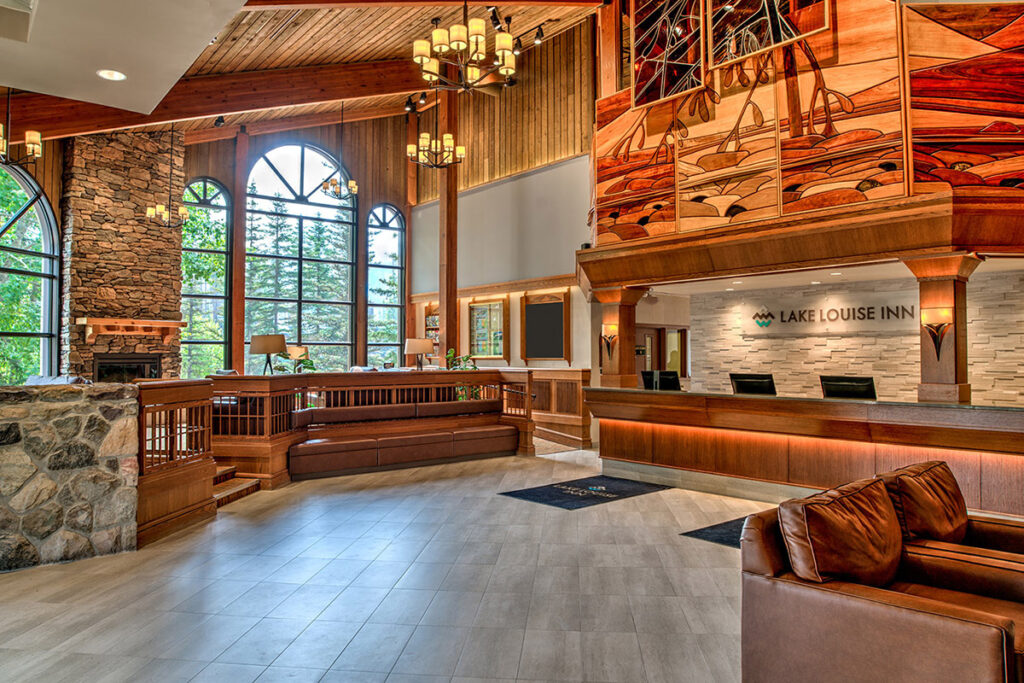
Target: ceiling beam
x=205, y=96
x=258, y=5
x=198, y=137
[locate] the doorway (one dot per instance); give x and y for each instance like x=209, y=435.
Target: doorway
x=662, y=348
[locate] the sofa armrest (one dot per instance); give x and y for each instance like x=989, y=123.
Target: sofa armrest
x=998, y=534
x=945, y=565
x=799, y=631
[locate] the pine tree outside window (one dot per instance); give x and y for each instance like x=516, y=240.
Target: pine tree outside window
x=385, y=295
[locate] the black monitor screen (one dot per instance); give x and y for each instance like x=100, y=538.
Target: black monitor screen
x=752, y=384
x=862, y=388
x=661, y=380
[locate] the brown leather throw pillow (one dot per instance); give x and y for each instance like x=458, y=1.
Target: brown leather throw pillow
x=847, y=533
x=928, y=501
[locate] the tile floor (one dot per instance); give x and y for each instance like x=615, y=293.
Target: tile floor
x=416, y=575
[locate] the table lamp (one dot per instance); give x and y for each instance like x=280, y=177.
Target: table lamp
x=297, y=354
x=418, y=347
x=267, y=344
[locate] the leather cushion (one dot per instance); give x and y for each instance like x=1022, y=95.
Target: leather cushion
x=314, y=446
x=414, y=439
x=443, y=408
x=321, y=463
x=928, y=501
x=846, y=533
x=357, y=414
x=486, y=432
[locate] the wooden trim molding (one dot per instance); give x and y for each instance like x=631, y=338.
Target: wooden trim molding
x=553, y=282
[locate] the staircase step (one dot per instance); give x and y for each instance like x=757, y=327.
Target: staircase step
x=224, y=472
x=233, y=489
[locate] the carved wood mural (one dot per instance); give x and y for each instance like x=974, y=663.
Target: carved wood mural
x=817, y=122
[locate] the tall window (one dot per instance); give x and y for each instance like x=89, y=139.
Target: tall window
x=385, y=316
x=204, y=279
x=299, y=245
x=29, y=279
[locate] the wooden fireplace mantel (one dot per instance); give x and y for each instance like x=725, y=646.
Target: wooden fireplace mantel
x=164, y=329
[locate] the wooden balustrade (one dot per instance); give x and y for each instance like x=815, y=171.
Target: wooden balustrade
x=559, y=412
x=176, y=465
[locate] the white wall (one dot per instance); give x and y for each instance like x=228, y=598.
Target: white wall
x=524, y=227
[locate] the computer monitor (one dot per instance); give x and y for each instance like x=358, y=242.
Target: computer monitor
x=749, y=383
x=835, y=386
x=660, y=380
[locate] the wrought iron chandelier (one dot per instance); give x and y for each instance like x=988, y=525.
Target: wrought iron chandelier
x=33, y=141
x=332, y=187
x=161, y=213
x=456, y=58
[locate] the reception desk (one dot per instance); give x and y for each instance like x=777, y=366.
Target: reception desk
x=811, y=443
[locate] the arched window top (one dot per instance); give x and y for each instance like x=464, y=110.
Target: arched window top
x=26, y=220
x=206, y=192
x=296, y=173
x=386, y=216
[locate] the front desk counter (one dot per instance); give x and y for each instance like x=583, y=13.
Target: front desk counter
x=730, y=444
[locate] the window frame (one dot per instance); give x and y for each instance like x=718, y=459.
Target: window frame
x=205, y=203
x=51, y=257
x=398, y=219
x=349, y=203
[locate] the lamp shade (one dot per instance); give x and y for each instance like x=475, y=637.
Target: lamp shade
x=267, y=343
x=415, y=346
x=298, y=352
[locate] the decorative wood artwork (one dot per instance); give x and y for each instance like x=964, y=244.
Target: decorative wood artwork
x=668, y=49
x=967, y=96
x=802, y=111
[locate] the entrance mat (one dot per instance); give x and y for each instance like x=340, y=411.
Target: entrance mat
x=581, y=493
x=724, y=533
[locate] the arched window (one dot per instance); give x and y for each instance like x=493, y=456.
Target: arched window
x=385, y=293
x=29, y=279
x=205, y=249
x=299, y=244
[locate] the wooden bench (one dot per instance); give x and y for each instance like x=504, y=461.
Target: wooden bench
x=362, y=438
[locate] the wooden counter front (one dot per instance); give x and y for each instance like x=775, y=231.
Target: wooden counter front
x=815, y=442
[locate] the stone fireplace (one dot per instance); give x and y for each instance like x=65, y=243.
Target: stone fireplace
x=117, y=264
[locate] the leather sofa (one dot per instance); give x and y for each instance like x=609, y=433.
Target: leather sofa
x=359, y=438
x=832, y=592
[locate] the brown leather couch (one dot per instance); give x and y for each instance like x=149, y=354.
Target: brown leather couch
x=832, y=593
x=360, y=438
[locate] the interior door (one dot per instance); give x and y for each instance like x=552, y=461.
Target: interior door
x=648, y=341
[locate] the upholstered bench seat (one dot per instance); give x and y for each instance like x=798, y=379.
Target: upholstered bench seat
x=395, y=450
x=332, y=455
x=304, y=418
x=485, y=439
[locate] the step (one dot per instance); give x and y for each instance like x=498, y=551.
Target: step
x=224, y=472
x=233, y=489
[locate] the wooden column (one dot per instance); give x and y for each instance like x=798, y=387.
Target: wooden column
x=237, y=306
x=609, y=47
x=943, y=285
x=411, y=199
x=618, y=317
x=448, y=283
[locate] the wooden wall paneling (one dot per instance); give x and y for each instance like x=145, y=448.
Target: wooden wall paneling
x=626, y=440
x=966, y=465
x=815, y=462
x=1002, y=480
x=48, y=172
x=682, y=447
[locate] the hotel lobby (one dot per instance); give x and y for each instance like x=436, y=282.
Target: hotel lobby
x=566, y=340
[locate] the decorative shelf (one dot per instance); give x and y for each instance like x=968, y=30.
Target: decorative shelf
x=164, y=329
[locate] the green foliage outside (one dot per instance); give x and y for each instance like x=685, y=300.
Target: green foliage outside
x=21, y=296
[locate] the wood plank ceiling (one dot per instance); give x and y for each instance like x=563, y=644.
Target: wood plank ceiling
x=277, y=39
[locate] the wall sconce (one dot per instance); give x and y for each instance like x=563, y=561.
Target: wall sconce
x=608, y=334
x=937, y=321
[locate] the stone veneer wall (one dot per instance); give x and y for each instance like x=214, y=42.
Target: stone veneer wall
x=117, y=263
x=995, y=307
x=68, y=472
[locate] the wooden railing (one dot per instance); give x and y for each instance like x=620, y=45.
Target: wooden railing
x=175, y=423
x=558, y=409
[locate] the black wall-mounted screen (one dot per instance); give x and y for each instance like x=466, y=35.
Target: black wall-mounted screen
x=545, y=330
x=863, y=388
x=745, y=383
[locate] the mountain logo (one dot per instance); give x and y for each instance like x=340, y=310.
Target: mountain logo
x=764, y=317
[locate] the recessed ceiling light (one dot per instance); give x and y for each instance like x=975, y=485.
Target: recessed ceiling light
x=729, y=289
x=815, y=282
x=836, y=274
x=737, y=282
x=111, y=75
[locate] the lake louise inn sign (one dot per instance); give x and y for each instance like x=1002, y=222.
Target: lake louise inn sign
x=889, y=313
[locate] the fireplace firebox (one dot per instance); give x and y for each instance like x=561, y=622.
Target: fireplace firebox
x=125, y=367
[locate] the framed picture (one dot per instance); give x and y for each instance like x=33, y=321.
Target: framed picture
x=488, y=329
